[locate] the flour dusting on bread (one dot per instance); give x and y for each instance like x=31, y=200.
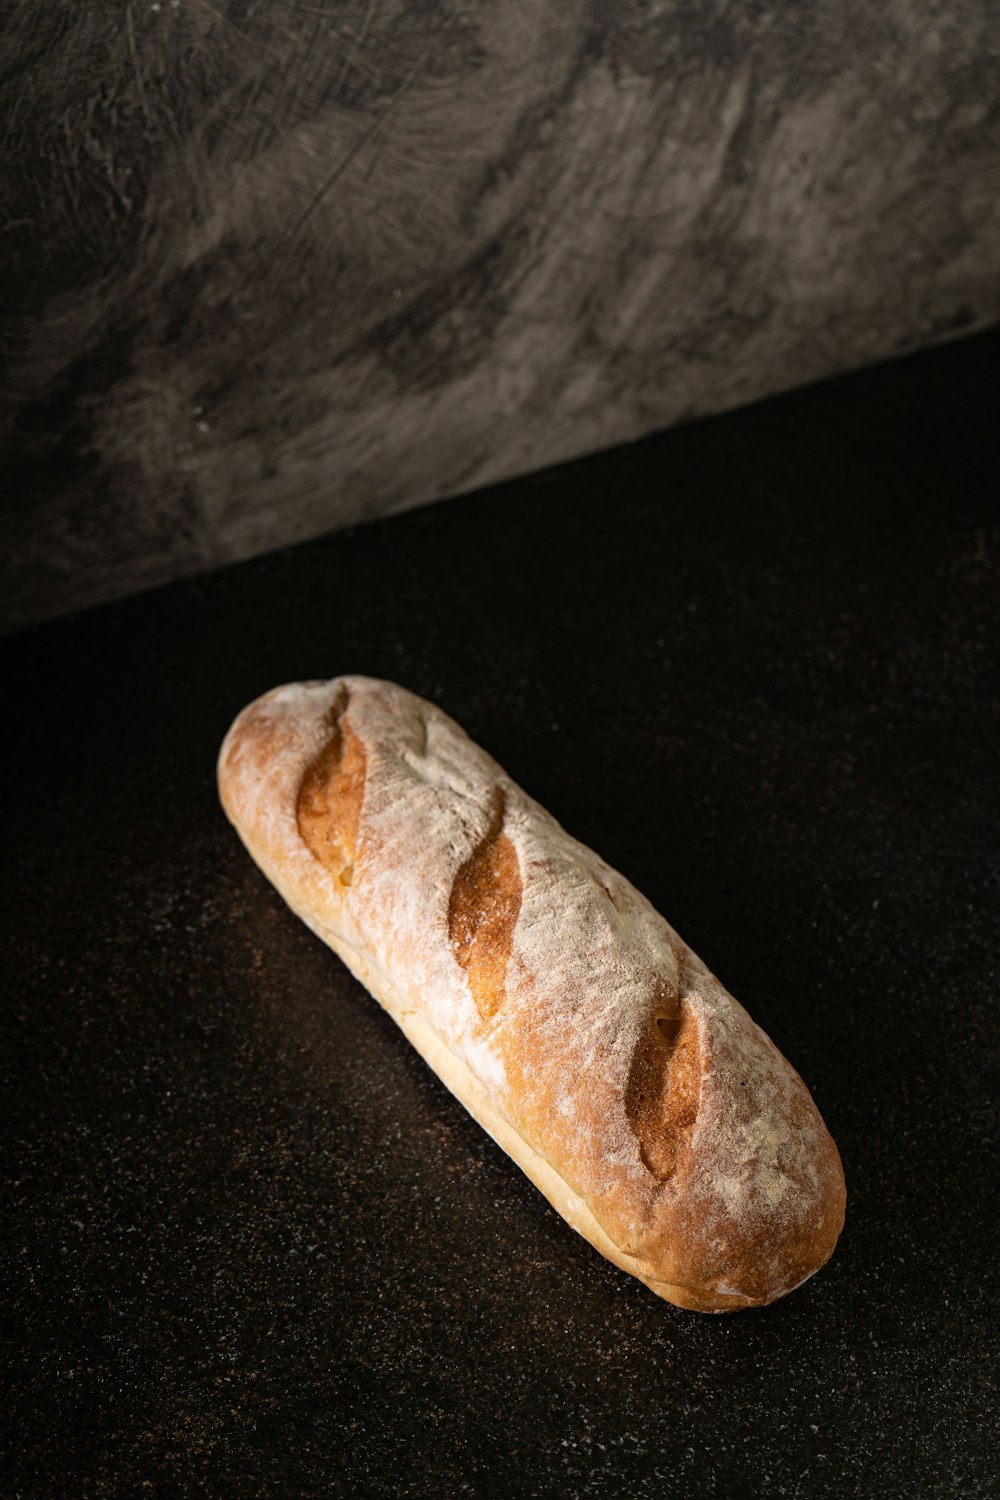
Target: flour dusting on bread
x=691, y=1149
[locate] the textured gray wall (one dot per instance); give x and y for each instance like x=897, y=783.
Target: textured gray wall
x=272, y=267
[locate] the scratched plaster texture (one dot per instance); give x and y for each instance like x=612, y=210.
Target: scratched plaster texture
x=271, y=267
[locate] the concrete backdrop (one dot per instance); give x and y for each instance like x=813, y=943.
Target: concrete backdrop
x=271, y=267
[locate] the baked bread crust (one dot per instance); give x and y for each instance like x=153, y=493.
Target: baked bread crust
x=557, y=1005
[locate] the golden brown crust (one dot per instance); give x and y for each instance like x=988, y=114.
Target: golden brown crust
x=552, y=999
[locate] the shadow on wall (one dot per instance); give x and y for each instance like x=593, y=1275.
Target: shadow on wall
x=274, y=267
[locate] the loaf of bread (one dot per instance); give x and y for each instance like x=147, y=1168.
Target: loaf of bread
x=552, y=999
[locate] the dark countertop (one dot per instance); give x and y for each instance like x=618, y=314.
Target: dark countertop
x=258, y=1249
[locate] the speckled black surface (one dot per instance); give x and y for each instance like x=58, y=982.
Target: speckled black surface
x=258, y=1249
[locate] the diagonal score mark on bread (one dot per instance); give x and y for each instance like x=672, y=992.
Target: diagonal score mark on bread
x=664, y=1085
x=482, y=912
x=328, y=808
x=552, y=999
